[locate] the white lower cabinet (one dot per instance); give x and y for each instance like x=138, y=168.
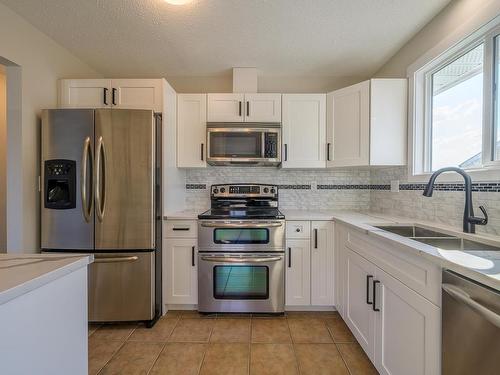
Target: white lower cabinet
x=322, y=261
x=298, y=272
x=397, y=327
x=407, y=330
x=309, y=277
x=358, y=312
x=180, y=263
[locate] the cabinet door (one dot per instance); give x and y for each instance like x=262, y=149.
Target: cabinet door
x=225, y=108
x=339, y=239
x=138, y=94
x=358, y=313
x=298, y=273
x=180, y=273
x=322, y=263
x=304, y=130
x=349, y=126
x=84, y=93
x=191, y=130
x=388, y=121
x=407, y=330
x=263, y=107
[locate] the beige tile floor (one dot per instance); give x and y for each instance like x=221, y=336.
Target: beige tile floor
x=183, y=343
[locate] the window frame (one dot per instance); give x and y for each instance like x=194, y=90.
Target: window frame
x=420, y=105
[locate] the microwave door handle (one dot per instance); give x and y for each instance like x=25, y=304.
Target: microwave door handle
x=263, y=145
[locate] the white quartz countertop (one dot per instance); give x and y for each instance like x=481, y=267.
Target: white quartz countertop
x=480, y=265
x=20, y=274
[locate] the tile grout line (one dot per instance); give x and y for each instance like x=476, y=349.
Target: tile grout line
x=337, y=347
x=297, y=363
x=250, y=346
x=207, y=343
x=163, y=347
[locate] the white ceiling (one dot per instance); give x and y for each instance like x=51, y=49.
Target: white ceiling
x=209, y=37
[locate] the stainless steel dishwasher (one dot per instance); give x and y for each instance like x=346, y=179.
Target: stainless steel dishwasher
x=471, y=327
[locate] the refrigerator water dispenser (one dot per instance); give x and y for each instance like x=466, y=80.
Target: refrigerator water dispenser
x=60, y=184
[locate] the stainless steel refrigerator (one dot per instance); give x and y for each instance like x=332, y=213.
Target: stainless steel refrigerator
x=101, y=194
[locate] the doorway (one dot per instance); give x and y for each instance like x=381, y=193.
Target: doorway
x=3, y=160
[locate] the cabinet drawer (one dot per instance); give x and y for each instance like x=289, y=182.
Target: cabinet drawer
x=180, y=229
x=418, y=274
x=298, y=229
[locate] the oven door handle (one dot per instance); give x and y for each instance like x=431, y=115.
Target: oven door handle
x=242, y=225
x=241, y=260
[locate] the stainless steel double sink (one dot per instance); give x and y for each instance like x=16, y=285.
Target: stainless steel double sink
x=437, y=239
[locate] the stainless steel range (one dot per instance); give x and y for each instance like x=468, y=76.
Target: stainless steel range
x=241, y=251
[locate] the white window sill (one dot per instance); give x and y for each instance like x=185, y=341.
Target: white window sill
x=491, y=174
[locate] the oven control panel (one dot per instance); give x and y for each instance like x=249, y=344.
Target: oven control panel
x=244, y=190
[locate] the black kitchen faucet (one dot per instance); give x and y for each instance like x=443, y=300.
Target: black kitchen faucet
x=469, y=221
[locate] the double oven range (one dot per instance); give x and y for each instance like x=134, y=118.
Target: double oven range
x=241, y=251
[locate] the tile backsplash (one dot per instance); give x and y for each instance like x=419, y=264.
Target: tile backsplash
x=445, y=206
x=353, y=189
x=297, y=187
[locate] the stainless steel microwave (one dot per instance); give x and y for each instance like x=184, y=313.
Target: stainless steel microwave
x=244, y=144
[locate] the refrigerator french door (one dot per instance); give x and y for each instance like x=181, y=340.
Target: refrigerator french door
x=100, y=195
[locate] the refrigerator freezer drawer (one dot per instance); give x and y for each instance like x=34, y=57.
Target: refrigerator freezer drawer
x=122, y=287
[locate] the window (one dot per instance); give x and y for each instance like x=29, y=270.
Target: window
x=457, y=103
x=496, y=94
x=456, y=106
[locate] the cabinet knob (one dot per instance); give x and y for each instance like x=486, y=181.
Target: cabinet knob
x=297, y=230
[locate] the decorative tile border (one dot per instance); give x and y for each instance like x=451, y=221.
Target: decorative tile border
x=492, y=187
x=294, y=187
x=196, y=186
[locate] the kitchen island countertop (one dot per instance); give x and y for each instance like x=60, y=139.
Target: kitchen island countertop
x=22, y=273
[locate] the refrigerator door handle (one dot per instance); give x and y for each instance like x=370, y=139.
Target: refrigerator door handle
x=86, y=156
x=100, y=186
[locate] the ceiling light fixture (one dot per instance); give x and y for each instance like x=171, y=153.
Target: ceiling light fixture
x=178, y=2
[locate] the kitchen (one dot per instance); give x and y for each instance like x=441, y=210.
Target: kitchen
x=271, y=201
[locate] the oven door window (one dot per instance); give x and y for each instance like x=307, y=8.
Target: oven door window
x=235, y=144
x=241, y=282
x=241, y=236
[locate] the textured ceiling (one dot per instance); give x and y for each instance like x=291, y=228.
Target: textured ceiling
x=208, y=37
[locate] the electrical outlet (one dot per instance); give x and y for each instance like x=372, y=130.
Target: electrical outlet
x=395, y=186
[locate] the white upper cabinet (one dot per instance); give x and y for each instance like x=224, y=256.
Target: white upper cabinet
x=244, y=108
x=304, y=130
x=225, y=107
x=367, y=124
x=349, y=126
x=322, y=263
x=85, y=93
x=137, y=94
x=115, y=93
x=191, y=130
x=262, y=107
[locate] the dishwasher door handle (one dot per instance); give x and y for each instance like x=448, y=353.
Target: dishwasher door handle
x=461, y=296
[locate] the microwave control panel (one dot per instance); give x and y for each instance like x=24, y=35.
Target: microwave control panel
x=271, y=145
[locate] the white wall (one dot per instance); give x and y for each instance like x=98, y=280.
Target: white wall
x=3, y=158
x=453, y=23
x=41, y=62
